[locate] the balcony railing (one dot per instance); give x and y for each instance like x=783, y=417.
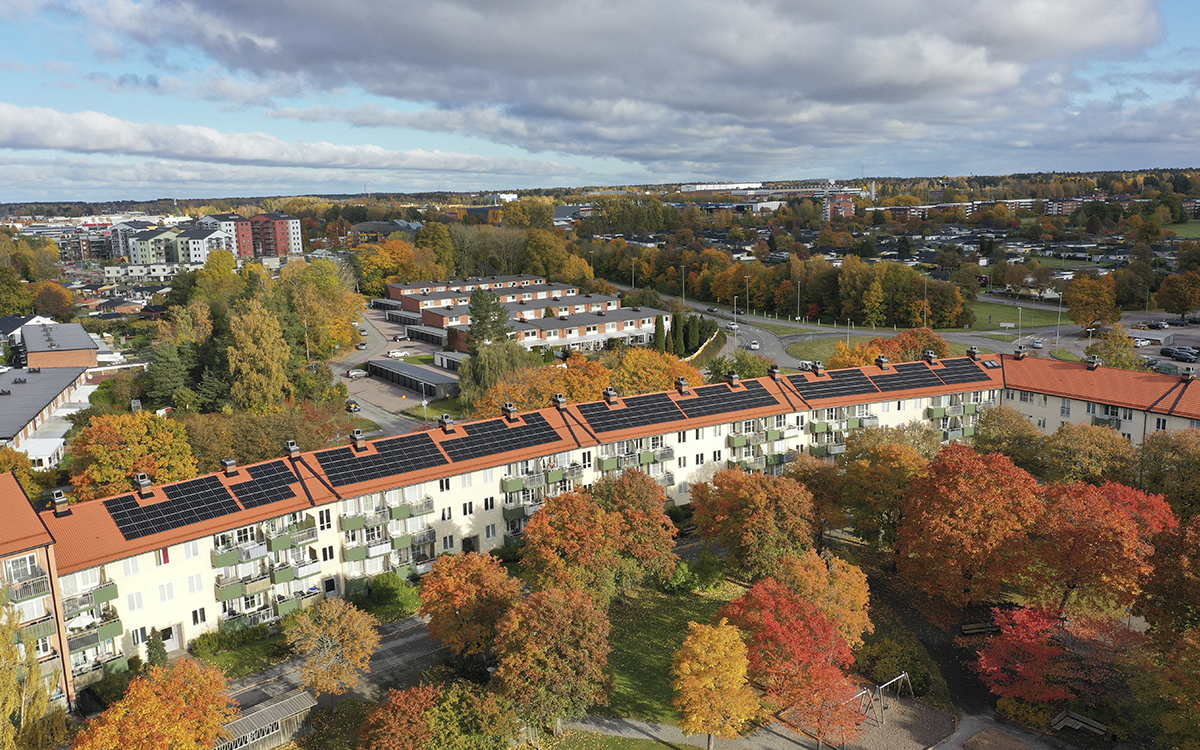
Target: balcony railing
x=574, y=471
x=955, y=410
x=627, y=461
x=422, y=568
x=104, y=593
x=425, y=537
x=666, y=479
x=836, y=448
x=666, y=453
x=422, y=506
x=100, y=662
x=248, y=552
x=375, y=549
x=294, y=535
x=33, y=584
x=308, y=569
x=378, y=518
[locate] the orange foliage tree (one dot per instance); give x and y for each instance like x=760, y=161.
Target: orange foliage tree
x=836, y=587
x=638, y=370
x=1170, y=598
x=823, y=479
x=649, y=535
x=874, y=488
x=464, y=596
x=758, y=518
x=115, y=447
x=399, y=722
x=532, y=388
x=965, y=524
x=336, y=640
x=184, y=706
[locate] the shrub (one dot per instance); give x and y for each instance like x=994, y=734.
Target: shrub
x=509, y=553
x=683, y=581
x=885, y=659
x=210, y=644
x=709, y=570
x=1107, y=713
x=1036, y=715
x=112, y=687
x=389, y=589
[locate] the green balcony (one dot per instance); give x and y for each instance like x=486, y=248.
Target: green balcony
x=968, y=432
x=512, y=484
x=224, y=558
x=404, y=571
x=775, y=459
x=853, y=423
x=554, y=476
x=279, y=543
x=352, y=523
x=119, y=664
x=815, y=427
x=283, y=575
x=646, y=457
x=608, y=464
x=400, y=542
x=737, y=441
x=513, y=540
x=354, y=554
x=818, y=451
x=400, y=512
x=935, y=412
x=229, y=590
x=357, y=585
x=773, y=435
x=286, y=607
x=110, y=629
x=512, y=513
x=970, y=408
x=43, y=628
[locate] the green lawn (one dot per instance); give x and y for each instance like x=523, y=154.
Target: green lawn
x=646, y=633
x=820, y=350
x=337, y=727
x=989, y=316
x=252, y=657
x=436, y=409
x=1066, y=356
x=576, y=740
x=781, y=329
x=420, y=359
x=1188, y=231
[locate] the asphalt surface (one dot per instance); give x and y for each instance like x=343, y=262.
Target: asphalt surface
x=379, y=342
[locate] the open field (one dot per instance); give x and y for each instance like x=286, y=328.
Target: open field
x=1191, y=230
x=436, y=409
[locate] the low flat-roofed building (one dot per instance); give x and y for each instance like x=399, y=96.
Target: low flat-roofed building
x=62, y=345
x=428, y=382
x=28, y=398
x=273, y=723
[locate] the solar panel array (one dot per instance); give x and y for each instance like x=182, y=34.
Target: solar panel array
x=961, y=370
x=834, y=385
x=906, y=376
x=639, y=411
x=496, y=436
x=193, y=501
x=268, y=484
x=395, y=456
x=721, y=399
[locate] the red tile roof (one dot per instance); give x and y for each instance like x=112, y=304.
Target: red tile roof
x=1147, y=391
x=21, y=530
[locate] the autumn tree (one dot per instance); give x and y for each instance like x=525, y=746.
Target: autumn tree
x=1170, y=597
x=910, y=345
x=838, y=588
x=874, y=488
x=115, y=447
x=647, y=531
x=15, y=297
x=1094, y=543
x=1091, y=301
x=797, y=655
x=533, y=387
x=640, y=370
x=482, y=371
x=469, y=717
x=184, y=706
x=862, y=354
x=464, y=596
x=25, y=691
x=53, y=299
x=1179, y=293
x=553, y=648
x=435, y=237
x=1169, y=464
x=757, y=518
x=1005, y=430
x=335, y=639
x=1115, y=349
x=399, y=723
x=711, y=689
x=965, y=522
x=1023, y=661
x=1088, y=453
x=823, y=479
x=1168, y=691
x=258, y=360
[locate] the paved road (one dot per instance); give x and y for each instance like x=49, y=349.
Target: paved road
x=379, y=341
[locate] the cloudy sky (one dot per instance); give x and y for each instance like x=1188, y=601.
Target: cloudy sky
x=108, y=99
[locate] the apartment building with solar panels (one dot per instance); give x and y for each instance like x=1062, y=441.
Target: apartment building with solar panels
x=250, y=544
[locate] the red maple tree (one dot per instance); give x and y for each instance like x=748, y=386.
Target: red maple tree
x=1023, y=661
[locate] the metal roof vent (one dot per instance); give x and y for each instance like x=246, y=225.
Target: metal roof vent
x=681, y=385
x=143, y=484
x=930, y=356
x=973, y=352
x=1188, y=375
x=509, y=411
x=1020, y=352
x=610, y=395
x=881, y=362
x=559, y=401
x=775, y=373
x=818, y=368
x=229, y=466
x=61, y=506
x=446, y=423
x=293, y=450
x=1094, y=362
x=732, y=379
x=357, y=440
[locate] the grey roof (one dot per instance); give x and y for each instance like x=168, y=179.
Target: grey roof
x=533, y=304
x=61, y=337
x=416, y=372
x=473, y=281
x=26, y=400
x=578, y=320
x=270, y=711
x=10, y=323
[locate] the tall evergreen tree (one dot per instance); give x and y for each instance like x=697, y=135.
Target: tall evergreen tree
x=156, y=652
x=167, y=374
x=660, y=341
x=489, y=320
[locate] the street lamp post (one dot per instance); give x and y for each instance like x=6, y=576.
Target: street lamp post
x=1018, y=325
x=683, y=283
x=735, y=322
x=1058, y=329
x=797, y=305
x=747, y=278
x=926, y=310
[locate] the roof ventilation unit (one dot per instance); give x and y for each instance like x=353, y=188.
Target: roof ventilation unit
x=559, y=401
x=775, y=373
x=973, y=352
x=732, y=379
x=681, y=385
x=229, y=466
x=143, y=485
x=1020, y=352
x=357, y=440
x=881, y=362
x=509, y=411
x=293, y=450
x=610, y=395
x=446, y=423
x=1188, y=375
x=818, y=368
x=930, y=356
x=1094, y=362
x=61, y=506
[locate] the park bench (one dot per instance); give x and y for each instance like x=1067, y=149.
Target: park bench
x=979, y=628
x=1076, y=721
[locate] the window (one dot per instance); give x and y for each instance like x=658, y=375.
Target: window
x=448, y=543
x=681, y=437
x=465, y=481
x=900, y=405
x=191, y=550
x=245, y=535
x=489, y=503
x=587, y=459
x=1126, y=413
x=195, y=583
x=488, y=476
x=162, y=556
x=324, y=520
x=444, y=486
x=1064, y=410
x=133, y=602
x=489, y=531
x=1091, y=408
x=1112, y=411
x=699, y=459
x=138, y=635
x=198, y=616
x=717, y=456
x=681, y=462
x=1160, y=423
x=326, y=554
x=699, y=433
x=469, y=508
x=716, y=430
x=1026, y=397
x=166, y=592
x=130, y=565
x=1041, y=423
x=447, y=514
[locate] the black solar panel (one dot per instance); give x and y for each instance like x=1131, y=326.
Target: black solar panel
x=189, y=502
x=962, y=370
x=396, y=456
x=639, y=411
x=834, y=385
x=721, y=399
x=907, y=376
x=495, y=436
x=268, y=484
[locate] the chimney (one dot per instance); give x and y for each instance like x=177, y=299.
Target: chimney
x=357, y=440
x=446, y=423
x=293, y=450
x=681, y=385
x=775, y=373
x=143, y=485
x=1093, y=362
x=732, y=379
x=881, y=362
x=229, y=466
x=610, y=395
x=973, y=352
x=61, y=506
x=930, y=356
x=819, y=368
x=559, y=401
x=1189, y=374
x=1020, y=352
x=509, y=411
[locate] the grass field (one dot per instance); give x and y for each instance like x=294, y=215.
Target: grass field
x=1188, y=231
x=646, y=633
x=436, y=409
x=252, y=657
x=820, y=350
x=989, y=316
x=576, y=740
x=1066, y=356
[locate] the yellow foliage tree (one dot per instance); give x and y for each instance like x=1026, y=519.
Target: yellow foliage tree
x=836, y=587
x=336, y=640
x=710, y=684
x=861, y=354
x=638, y=370
x=258, y=360
x=115, y=447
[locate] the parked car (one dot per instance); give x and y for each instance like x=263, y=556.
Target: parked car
x=356, y=374
x=738, y=311
x=1139, y=343
x=353, y=406
x=1179, y=356
x=399, y=337
x=1167, y=351
x=361, y=345
x=1141, y=327
x=1159, y=325
x=397, y=354
x=712, y=309
x=1038, y=344
x=754, y=346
